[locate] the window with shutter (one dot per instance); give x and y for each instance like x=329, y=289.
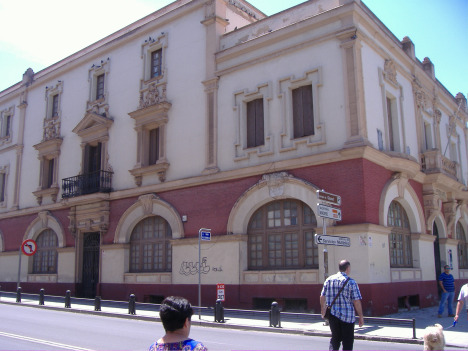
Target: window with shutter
x=255, y=123
x=303, y=113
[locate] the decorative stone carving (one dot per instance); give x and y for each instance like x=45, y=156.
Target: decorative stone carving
x=275, y=182
x=51, y=129
x=147, y=203
x=419, y=95
x=450, y=211
x=402, y=182
x=154, y=94
x=92, y=216
x=390, y=71
x=437, y=116
x=44, y=218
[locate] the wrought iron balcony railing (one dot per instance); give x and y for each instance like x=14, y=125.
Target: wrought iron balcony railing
x=90, y=183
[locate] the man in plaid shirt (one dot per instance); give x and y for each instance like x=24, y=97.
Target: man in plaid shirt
x=343, y=311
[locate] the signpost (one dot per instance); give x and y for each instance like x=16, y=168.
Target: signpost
x=203, y=234
x=332, y=240
x=330, y=198
x=29, y=248
x=327, y=211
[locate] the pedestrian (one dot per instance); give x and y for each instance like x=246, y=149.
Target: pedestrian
x=176, y=314
x=345, y=307
x=462, y=298
x=447, y=283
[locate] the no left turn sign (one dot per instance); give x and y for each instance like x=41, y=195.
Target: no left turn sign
x=29, y=247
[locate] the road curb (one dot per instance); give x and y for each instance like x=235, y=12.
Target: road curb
x=221, y=325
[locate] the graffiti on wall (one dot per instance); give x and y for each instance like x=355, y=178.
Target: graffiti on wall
x=191, y=268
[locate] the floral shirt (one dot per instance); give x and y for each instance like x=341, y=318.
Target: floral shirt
x=186, y=345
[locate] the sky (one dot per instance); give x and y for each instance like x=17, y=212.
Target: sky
x=39, y=33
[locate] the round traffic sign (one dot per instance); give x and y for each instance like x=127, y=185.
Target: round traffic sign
x=29, y=247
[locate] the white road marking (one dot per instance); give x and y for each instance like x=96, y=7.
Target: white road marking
x=45, y=342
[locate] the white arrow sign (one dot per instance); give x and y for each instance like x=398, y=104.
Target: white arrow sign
x=332, y=240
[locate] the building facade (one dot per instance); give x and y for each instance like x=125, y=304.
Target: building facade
x=209, y=114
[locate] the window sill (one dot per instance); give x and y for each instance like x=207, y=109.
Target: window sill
x=402, y=274
x=295, y=276
x=148, y=278
x=42, y=278
x=52, y=192
x=159, y=168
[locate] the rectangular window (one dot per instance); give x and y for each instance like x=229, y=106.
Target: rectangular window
x=55, y=101
x=256, y=249
x=390, y=124
x=453, y=152
x=156, y=63
x=275, y=250
x=427, y=136
x=311, y=250
x=291, y=250
x=255, y=123
x=153, y=154
x=48, y=173
x=6, y=126
x=100, y=86
x=2, y=186
x=303, y=114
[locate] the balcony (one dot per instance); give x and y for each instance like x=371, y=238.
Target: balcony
x=432, y=161
x=90, y=183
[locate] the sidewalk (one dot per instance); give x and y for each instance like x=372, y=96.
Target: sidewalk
x=454, y=337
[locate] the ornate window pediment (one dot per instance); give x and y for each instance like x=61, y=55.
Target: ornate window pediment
x=93, y=127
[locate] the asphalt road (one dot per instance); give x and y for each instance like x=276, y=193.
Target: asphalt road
x=28, y=328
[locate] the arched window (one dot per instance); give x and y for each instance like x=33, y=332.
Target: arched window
x=150, y=246
x=462, y=247
x=45, y=258
x=281, y=236
x=400, y=236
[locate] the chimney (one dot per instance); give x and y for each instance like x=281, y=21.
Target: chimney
x=408, y=47
x=428, y=67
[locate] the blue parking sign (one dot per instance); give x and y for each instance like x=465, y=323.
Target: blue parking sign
x=205, y=235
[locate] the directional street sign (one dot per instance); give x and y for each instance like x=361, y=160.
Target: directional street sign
x=330, y=198
x=332, y=240
x=329, y=212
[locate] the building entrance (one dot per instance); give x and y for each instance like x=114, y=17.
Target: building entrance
x=90, y=278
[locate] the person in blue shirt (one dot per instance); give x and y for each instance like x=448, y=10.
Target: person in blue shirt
x=447, y=283
x=343, y=311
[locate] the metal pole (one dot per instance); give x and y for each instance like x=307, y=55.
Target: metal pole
x=199, y=275
x=19, y=269
x=325, y=251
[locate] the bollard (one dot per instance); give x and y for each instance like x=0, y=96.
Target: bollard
x=67, y=299
x=275, y=315
x=41, y=297
x=18, y=294
x=219, y=312
x=97, y=303
x=131, y=304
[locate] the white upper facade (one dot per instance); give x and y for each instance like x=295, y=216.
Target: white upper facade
x=216, y=57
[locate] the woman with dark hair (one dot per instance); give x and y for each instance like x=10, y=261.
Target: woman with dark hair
x=176, y=314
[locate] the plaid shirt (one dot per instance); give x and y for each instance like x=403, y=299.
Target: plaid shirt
x=343, y=308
